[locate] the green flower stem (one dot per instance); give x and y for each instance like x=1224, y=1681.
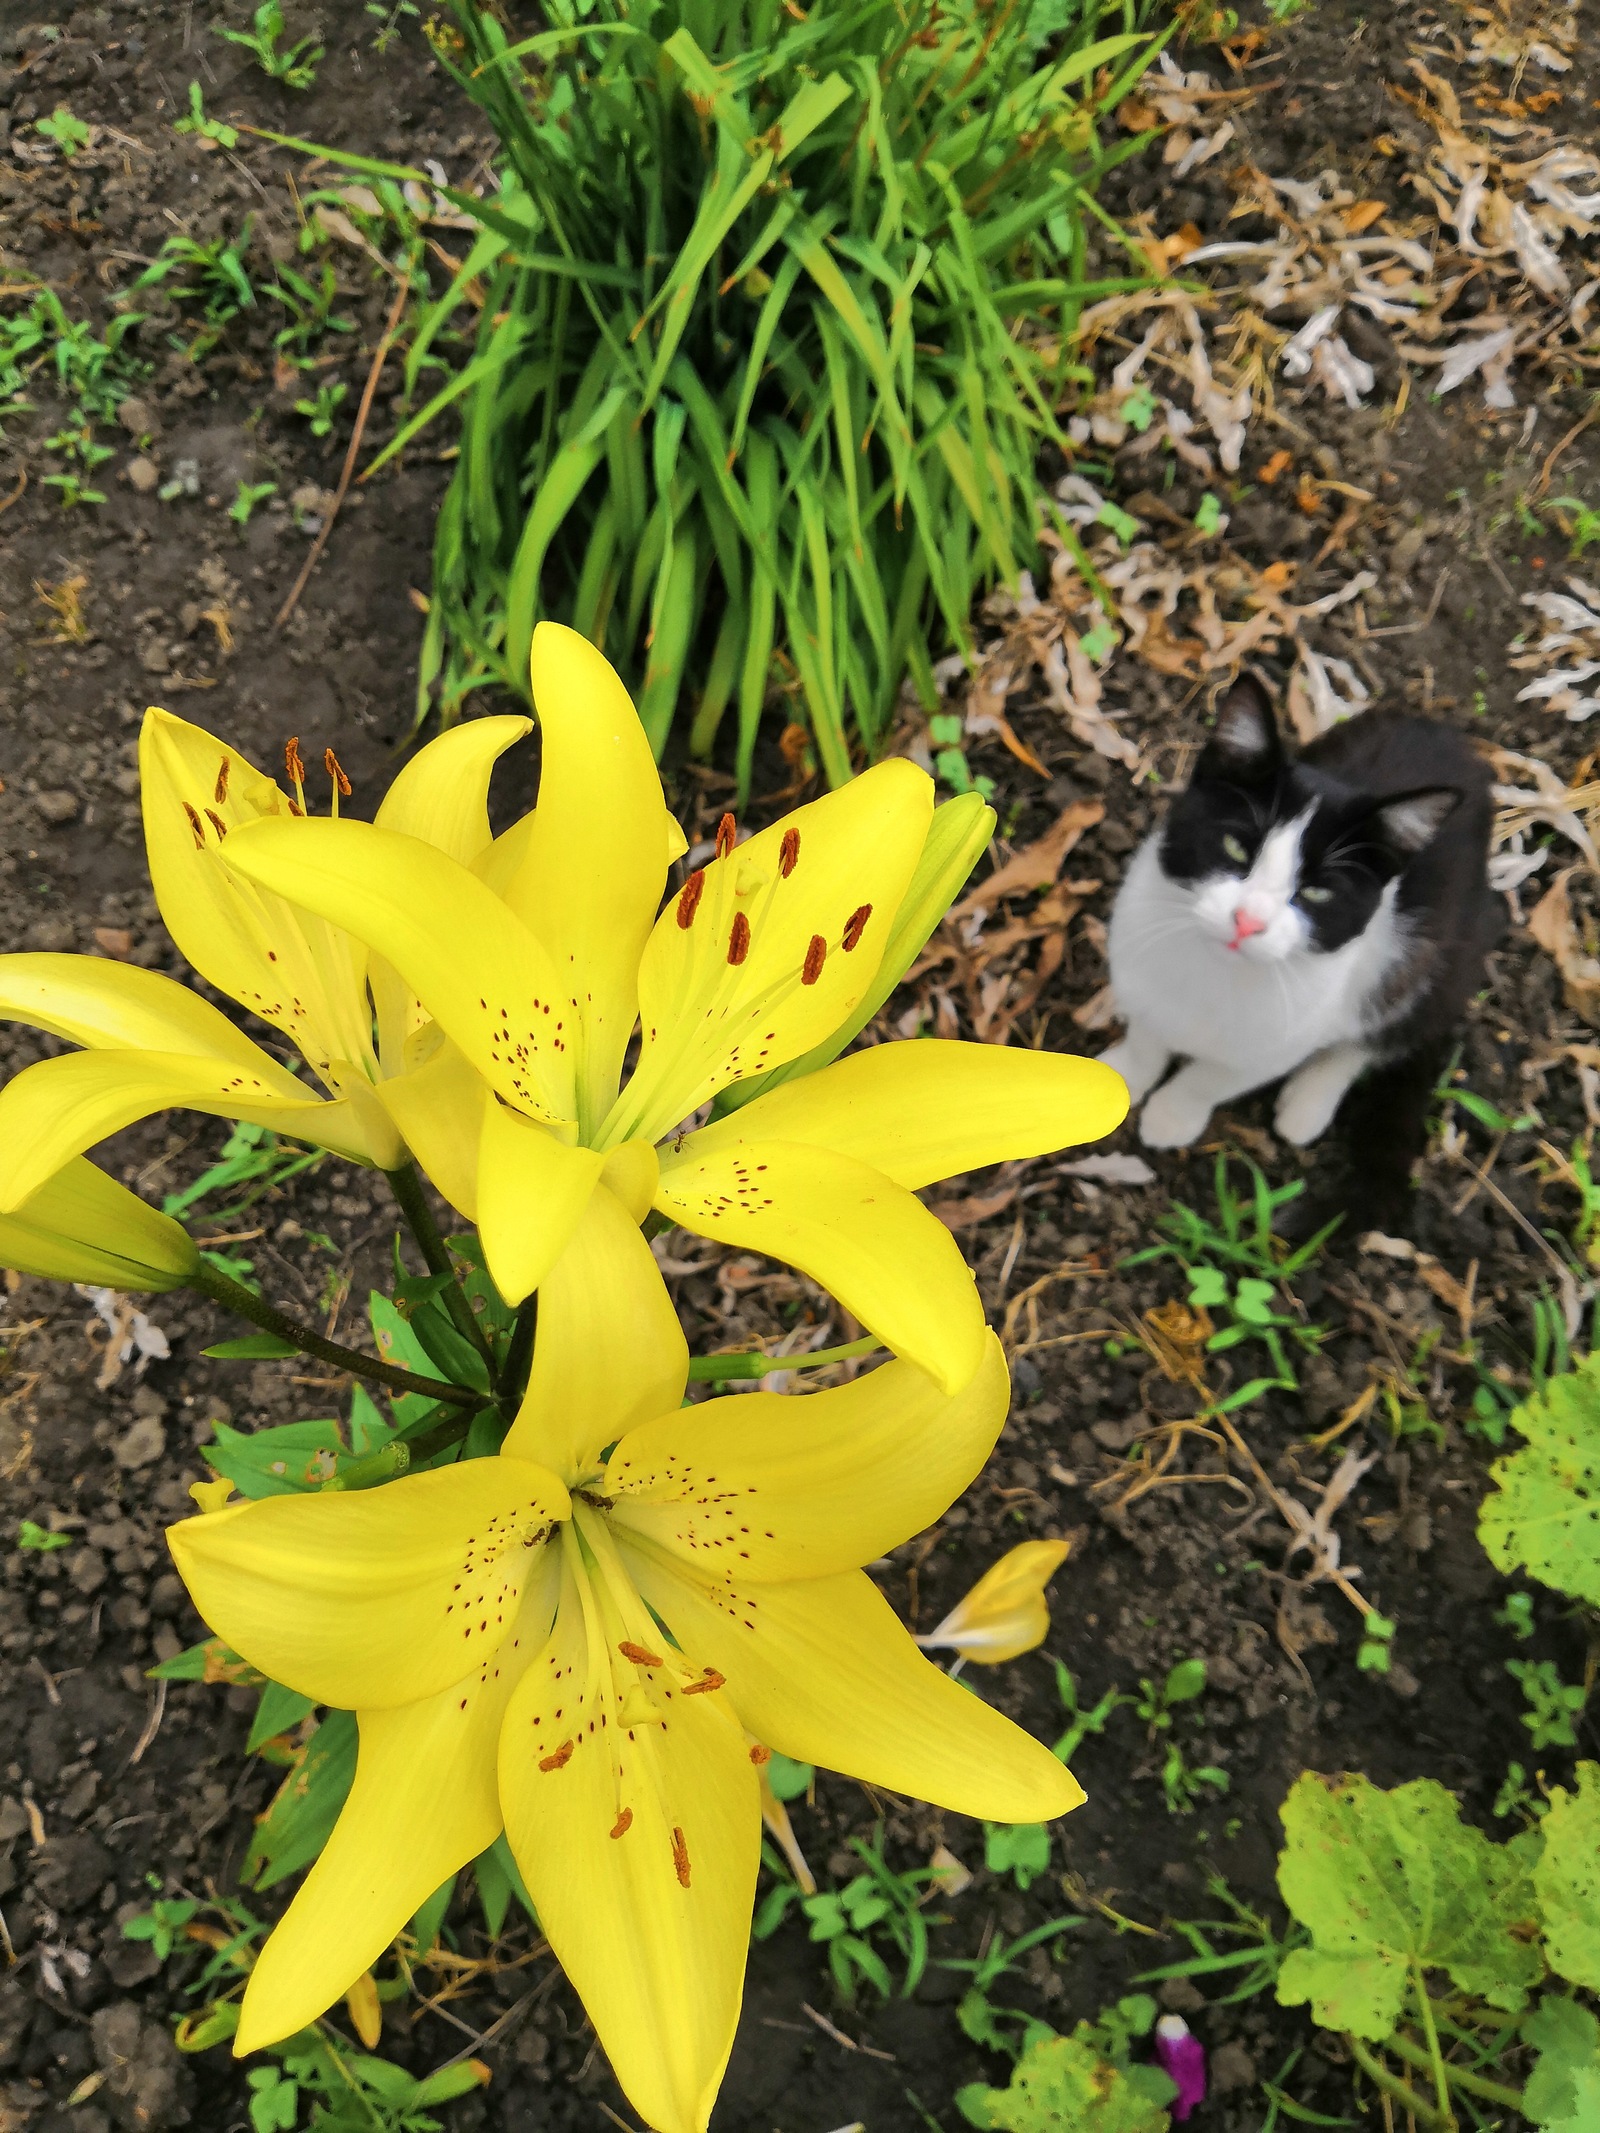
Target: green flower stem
x=1401, y=2091
x=1458, y=2076
x=210, y=1281
x=406, y=1186
x=1441, y=2085
x=512, y=1381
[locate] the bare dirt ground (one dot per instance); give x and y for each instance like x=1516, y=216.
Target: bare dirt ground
x=112, y=1788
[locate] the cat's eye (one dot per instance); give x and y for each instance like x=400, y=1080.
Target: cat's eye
x=1316, y=896
x=1234, y=850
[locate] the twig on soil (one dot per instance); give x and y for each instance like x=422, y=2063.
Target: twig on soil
x=850, y=2044
x=1571, y=437
x=380, y=355
x=1295, y=1525
x=21, y=484
x=46, y=1677
x=1405, y=629
x=152, y=1725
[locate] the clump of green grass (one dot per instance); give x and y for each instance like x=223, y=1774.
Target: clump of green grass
x=773, y=316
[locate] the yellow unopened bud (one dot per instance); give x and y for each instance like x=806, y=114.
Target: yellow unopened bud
x=211, y=1495
x=366, y=2015
x=1005, y=1612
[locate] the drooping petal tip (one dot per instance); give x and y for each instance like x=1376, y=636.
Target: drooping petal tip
x=1005, y=1613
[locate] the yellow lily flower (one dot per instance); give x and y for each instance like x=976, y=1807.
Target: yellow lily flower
x=1005, y=1614
x=581, y=1639
x=150, y=1043
x=538, y=964
x=82, y=1226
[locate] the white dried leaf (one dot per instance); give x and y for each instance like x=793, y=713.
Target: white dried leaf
x=1471, y=354
x=1341, y=372
x=1109, y=1169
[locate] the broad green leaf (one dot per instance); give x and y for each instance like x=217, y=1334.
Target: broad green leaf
x=1544, y=1513
x=300, y=1819
x=278, y=1710
x=1391, y=1885
x=1566, y=1880
x=211, y=1661
x=1062, y=2085
x=1567, y=2039
x=287, y=1460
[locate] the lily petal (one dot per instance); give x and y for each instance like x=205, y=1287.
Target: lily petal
x=864, y=1239
x=438, y=1109
x=532, y=1191
x=823, y=1672
x=767, y=1487
x=112, y=1006
x=54, y=1110
x=933, y=1109
x=477, y=969
x=83, y=1226
x=305, y=977
x=425, y=1801
x=609, y=1353
x=639, y=1843
x=769, y=948
x=442, y=794
x=374, y=1598
x=1005, y=1613
x=591, y=876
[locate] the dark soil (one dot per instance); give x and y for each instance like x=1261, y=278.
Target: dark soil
x=110, y=1790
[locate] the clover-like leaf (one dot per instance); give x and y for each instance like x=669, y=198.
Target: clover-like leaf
x=1063, y=2085
x=1566, y=1880
x=1392, y=1884
x=1565, y=2082
x=1543, y=1515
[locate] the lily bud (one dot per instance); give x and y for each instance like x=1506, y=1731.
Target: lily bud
x=82, y=1226
x=1005, y=1613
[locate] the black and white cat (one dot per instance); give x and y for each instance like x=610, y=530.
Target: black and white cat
x=1311, y=919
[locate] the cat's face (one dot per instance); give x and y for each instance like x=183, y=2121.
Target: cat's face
x=1275, y=858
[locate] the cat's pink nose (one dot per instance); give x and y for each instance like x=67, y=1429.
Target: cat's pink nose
x=1245, y=926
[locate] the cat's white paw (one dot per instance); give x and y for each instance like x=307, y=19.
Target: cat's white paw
x=1175, y=1117
x=1304, y=1113
x=1139, y=1067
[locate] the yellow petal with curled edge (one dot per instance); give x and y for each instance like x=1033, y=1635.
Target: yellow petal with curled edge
x=591, y=875
x=532, y=1190
x=305, y=977
x=438, y=1108
x=957, y=838
x=378, y=1597
x=477, y=969
x=1005, y=1613
x=425, y=1801
x=112, y=1006
x=818, y=1482
x=54, y=1110
x=767, y=949
x=929, y=1110
x=442, y=794
x=862, y=1238
x=609, y=1352
x=638, y=1836
x=823, y=1672
x=81, y=1225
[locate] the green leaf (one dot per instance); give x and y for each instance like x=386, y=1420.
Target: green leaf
x=430, y=1918
x=1208, y=1287
x=1062, y=2085
x=1544, y=1513
x=288, y=1460
x=1393, y=1884
x=211, y=1661
x=1019, y=1848
x=451, y=2081
x=1566, y=1880
x=1185, y=1682
x=251, y=1347
x=278, y=1710
x=1567, y=2040
x=300, y=1819
x=789, y=1780
x=35, y=1539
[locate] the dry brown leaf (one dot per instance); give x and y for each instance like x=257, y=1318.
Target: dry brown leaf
x=974, y=1208
x=1362, y=216
x=1036, y=865
x=1551, y=924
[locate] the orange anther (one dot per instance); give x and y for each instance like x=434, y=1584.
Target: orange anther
x=623, y=1823
x=680, y=1857
x=816, y=956
x=217, y=823
x=855, y=926
x=788, y=853
x=221, y=792
x=739, y=938
x=727, y=832
x=689, y=897
x=561, y=1758
x=194, y=824
x=760, y=1755
x=638, y=1654
x=331, y=764
x=713, y=1680
x=294, y=767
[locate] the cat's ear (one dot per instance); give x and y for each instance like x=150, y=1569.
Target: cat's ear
x=1245, y=747
x=1416, y=818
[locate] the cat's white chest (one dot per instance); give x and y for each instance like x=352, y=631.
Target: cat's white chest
x=1205, y=1000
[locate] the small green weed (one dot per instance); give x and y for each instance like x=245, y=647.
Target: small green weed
x=1514, y=1798
x=1089, y=2081
x=877, y=1905
x=38, y=1540
x=295, y=66
x=69, y=134
x=250, y=494
x=1552, y=1703
x=205, y=275
x=1515, y=1613
x=1186, y=1788
x=253, y=1163
x=978, y=2015
x=1377, y=1643
x=1182, y=1684
x=1585, y=528
x=390, y=18
x=197, y=122
x=310, y=308
x=1021, y=1849
x=1082, y=1723
x=162, y=1925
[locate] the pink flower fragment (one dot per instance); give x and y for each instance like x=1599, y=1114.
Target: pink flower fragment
x=1183, y=2060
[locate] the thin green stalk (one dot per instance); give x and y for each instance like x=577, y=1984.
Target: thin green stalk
x=1401, y=2091
x=1441, y=2084
x=406, y=1186
x=1459, y=2076
x=513, y=1378
x=210, y=1281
